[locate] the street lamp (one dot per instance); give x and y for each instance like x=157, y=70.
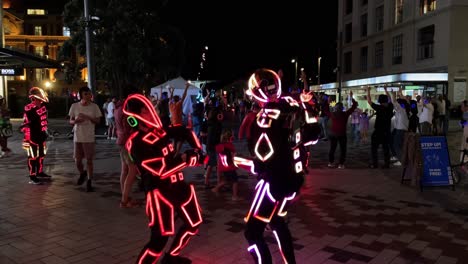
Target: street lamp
x=295, y=71
x=318, y=72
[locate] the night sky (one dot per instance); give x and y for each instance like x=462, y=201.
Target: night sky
x=245, y=35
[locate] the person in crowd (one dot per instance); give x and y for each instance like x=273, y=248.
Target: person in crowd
x=401, y=123
x=104, y=110
x=162, y=107
x=425, y=114
x=175, y=109
x=382, y=128
x=337, y=134
x=277, y=162
x=214, y=129
x=355, y=125
x=324, y=107
x=364, y=119
x=226, y=151
x=448, y=104
x=84, y=116
x=128, y=169
x=6, y=129
x=246, y=126
x=167, y=194
x=110, y=118
x=34, y=128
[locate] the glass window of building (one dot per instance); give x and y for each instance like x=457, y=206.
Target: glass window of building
x=426, y=6
x=426, y=42
x=379, y=52
x=66, y=31
x=38, y=30
x=348, y=62
x=348, y=7
x=364, y=25
x=364, y=57
x=36, y=12
x=38, y=50
x=398, y=11
x=348, y=33
x=379, y=18
x=397, y=49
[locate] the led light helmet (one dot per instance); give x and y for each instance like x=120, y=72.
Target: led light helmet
x=38, y=94
x=139, y=109
x=264, y=86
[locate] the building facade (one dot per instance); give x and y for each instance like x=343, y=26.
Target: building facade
x=420, y=45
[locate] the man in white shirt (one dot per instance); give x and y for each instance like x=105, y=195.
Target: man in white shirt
x=84, y=115
x=401, y=122
x=110, y=118
x=425, y=113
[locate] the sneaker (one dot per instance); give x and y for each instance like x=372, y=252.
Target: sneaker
x=113, y=138
x=34, y=180
x=341, y=166
x=89, y=187
x=108, y=138
x=393, y=158
x=43, y=175
x=82, y=178
x=169, y=259
x=397, y=163
x=331, y=165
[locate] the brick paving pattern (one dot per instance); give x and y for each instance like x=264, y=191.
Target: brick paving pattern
x=355, y=215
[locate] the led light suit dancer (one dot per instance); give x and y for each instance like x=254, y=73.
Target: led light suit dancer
x=167, y=194
x=34, y=128
x=278, y=163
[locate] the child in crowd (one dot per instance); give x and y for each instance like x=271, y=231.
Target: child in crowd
x=225, y=152
x=364, y=125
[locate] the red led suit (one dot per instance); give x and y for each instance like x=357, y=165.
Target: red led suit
x=34, y=128
x=167, y=194
x=279, y=163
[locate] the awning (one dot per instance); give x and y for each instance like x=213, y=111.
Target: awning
x=17, y=58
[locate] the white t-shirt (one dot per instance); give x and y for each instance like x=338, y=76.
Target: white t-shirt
x=110, y=110
x=84, y=132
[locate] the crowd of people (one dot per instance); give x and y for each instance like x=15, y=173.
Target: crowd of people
x=279, y=128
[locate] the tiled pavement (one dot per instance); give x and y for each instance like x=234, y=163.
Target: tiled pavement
x=355, y=215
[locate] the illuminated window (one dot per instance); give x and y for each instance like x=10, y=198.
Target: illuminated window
x=379, y=52
x=397, y=49
x=426, y=6
x=398, y=11
x=36, y=12
x=38, y=30
x=38, y=50
x=66, y=31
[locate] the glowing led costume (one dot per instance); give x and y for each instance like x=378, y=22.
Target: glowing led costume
x=279, y=163
x=167, y=194
x=34, y=128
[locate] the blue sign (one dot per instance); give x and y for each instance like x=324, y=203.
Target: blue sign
x=436, y=162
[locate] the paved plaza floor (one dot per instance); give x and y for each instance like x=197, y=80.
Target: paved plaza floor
x=353, y=215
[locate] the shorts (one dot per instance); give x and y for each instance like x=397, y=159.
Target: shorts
x=231, y=176
x=110, y=121
x=84, y=150
x=212, y=158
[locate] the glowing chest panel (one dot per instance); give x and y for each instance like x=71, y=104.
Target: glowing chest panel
x=263, y=147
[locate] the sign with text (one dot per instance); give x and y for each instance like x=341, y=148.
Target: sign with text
x=436, y=162
x=11, y=71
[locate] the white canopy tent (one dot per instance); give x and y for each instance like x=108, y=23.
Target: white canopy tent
x=179, y=86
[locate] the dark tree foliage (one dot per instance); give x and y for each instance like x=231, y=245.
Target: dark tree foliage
x=131, y=45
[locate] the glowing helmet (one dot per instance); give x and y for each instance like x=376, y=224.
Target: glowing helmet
x=38, y=94
x=138, y=108
x=264, y=86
